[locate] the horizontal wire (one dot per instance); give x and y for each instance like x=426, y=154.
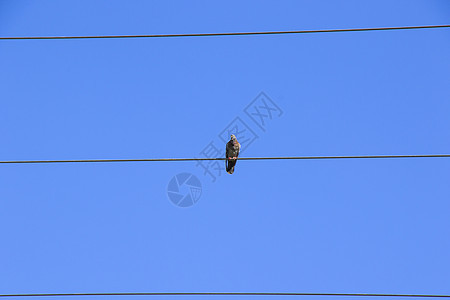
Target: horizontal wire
x=219, y=34
x=221, y=158
x=227, y=294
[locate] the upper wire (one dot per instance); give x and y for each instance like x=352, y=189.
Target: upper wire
x=220, y=33
x=228, y=294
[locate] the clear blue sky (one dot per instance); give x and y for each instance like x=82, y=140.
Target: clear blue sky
x=375, y=226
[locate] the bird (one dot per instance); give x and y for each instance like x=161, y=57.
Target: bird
x=231, y=154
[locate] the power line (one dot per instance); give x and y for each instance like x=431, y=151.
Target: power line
x=221, y=158
x=218, y=34
x=227, y=294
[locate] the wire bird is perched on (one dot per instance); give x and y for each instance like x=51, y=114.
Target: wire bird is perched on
x=231, y=154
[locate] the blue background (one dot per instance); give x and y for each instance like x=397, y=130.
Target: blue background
x=374, y=226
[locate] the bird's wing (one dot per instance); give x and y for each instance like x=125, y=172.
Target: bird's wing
x=228, y=151
x=227, y=154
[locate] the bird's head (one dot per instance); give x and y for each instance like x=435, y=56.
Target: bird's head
x=233, y=137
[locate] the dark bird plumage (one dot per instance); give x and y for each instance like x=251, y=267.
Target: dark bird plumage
x=231, y=154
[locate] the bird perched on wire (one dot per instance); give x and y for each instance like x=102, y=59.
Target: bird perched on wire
x=231, y=154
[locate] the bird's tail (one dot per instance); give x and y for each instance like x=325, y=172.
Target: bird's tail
x=231, y=170
x=230, y=166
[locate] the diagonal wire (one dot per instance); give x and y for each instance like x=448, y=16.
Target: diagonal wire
x=228, y=294
x=220, y=34
x=221, y=158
